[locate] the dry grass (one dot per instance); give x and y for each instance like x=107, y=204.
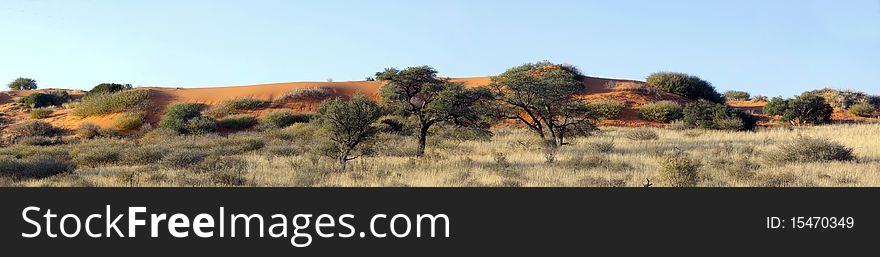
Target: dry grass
x=514, y=157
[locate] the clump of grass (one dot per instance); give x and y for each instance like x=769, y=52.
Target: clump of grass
x=601, y=147
x=677, y=169
x=642, y=134
x=102, y=104
x=129, y=121
x=238, y=121
x=42, y=113
x=232, y=106
x=142, y=155
x=809, y=149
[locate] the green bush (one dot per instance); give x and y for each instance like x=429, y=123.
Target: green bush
x=862, y=110
x=663, y=111
x=200, y=126
x=775, y=107
x=234, y=105
x=807, y=149
x=737, y=95
x=842, y=99
x=708, y=115
x=129, y=121
x=607, y=109
x=679, y=170
x=396, y=125
x=107, y=88
x=808, y=108
x=23, y=84
x=108, y=103
x=38, y=100
x=685, y=85
x=283, y=118
x=305, y=93
x=41, y=113
x=35, y=129
x=238, y=121
x=187, y=118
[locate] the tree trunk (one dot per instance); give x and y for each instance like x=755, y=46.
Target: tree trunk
x=342, y=163
x=423, y=138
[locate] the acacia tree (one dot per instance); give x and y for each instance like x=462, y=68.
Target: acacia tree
x=418, y=92
x=23, y=84
x=348, y=124
x=543, y=96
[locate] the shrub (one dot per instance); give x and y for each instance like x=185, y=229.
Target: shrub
x=306, y=93
x=200, y=126
x=708, y=115
x=142, y=155
x=607, y=109
x=108, y=103
x=808, y=108
x=234, y=105
x=95, y=156
x=775, y=107
x=238, y=121
x=33, y=168
x=35, y=129
x=641, y=134
x=395, y=125
x=862, y=110
x=679, y=170
x=38, y=100
x=129, y=121
x=283, y=118
x=183, y=158
x=759, y=98
x=187, y=118
x=685, y=85
x=842, y=99
x=282, y=149
x=874, y=100
x=41, y=113
x=23, y=84
x=737, y=95
x=106, y=88
x=807, y=149
x=88, y=130
x=663, y=111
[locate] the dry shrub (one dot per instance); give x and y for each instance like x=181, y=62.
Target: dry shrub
x=679, y=170
x=808, y=149
x=641, y=134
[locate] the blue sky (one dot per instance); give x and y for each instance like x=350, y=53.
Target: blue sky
x=770, y=47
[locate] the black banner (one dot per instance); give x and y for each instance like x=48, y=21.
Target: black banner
x=491, y=221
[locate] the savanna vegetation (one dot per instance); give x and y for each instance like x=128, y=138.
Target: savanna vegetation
x=528, y=127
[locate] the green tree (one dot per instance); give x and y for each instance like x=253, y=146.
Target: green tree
x=807, y=108
x=686, y=85
x=776, y=106
x=543, y=97
x=348, y=124
x=23, y=84
x=419, y=93
x=107, y=88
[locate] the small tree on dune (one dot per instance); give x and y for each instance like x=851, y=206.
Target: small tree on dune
x=418, y=92
x=543, y=97
x=23, y=84
x=348, y=124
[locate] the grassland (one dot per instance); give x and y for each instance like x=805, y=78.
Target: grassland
x=613, y=157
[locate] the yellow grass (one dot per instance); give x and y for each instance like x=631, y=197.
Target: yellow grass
x=514, y=158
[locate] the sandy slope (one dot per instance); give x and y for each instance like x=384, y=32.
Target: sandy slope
x=633, y=93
